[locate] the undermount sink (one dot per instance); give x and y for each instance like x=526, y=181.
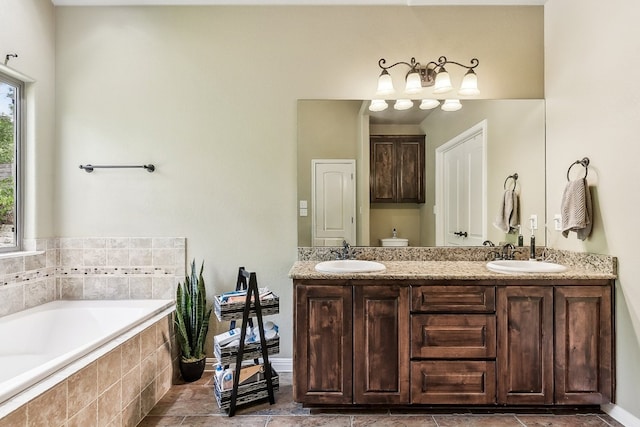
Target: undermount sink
x=349, y=266
x=526, y=266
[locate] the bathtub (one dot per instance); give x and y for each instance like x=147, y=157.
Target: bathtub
x=38, y=342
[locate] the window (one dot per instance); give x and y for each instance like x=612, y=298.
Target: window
x=11, y=126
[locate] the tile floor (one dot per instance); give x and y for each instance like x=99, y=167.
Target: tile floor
x=195, y=405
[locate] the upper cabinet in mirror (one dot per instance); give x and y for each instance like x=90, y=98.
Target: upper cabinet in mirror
x=512, y=140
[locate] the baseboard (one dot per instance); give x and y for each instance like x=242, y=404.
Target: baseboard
x=620, y=415
x=280, y=364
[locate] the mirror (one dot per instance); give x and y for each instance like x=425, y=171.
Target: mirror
x=340, y=129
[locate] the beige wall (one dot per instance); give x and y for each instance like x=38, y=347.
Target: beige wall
x=595, y=114
x=209, y=95
x=27, y=29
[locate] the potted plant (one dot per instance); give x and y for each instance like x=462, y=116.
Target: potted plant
x=192, y=324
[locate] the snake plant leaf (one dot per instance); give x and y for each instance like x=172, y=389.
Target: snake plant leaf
x=192, y=314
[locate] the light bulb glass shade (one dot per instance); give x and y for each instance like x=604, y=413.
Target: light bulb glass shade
x=385, y=84
x=378, y=105
x=443, y=82
x=403, y=104
x=428, y=104
x=469, y=86
x=451, y=105
x=414, y=84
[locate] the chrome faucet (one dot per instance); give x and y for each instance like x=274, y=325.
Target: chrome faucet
x=346, y=252
x=509, y=251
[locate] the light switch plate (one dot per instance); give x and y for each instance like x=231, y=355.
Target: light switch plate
x=303, y=212
x=303, y=204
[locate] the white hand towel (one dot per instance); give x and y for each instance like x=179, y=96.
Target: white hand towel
x=508, y=217
x=576, y=209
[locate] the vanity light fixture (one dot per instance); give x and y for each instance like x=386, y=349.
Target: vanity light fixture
x=403, y=104
x=432, y=74
x=420, y=76
x=451, y=105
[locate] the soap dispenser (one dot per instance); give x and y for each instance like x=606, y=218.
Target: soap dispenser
x=395, y=233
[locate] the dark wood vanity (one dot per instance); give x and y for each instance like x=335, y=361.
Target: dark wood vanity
x=447, y=338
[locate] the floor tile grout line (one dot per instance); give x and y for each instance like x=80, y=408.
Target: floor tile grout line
x=519, y=420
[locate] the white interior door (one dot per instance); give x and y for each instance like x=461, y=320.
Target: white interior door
x=460, y=189
x=333, y=202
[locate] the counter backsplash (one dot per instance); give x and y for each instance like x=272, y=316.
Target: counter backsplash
x=583, y=260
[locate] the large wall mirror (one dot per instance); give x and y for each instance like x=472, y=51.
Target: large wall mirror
x=514, y=143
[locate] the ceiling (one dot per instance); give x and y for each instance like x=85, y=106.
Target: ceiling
x=299, y=2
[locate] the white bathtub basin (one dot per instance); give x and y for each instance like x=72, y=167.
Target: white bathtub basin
x=349, y=266
x=526, y=266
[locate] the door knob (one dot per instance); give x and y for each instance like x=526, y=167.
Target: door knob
x=461, y=233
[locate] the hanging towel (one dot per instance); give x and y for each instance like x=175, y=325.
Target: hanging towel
x=576, y=209
x=508, y=217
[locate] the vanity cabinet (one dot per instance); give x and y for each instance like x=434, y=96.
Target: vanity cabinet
x=397, y=168
x=381, y=344
x=555, y=344
x=323, y=358
x=525, y=345
x=351, y=353
x=453, y=342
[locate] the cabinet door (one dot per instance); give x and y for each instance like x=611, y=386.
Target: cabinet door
x=323, y=344
x=381, y=344
x=383, y=171
x=584, y=336
x=410, y=170
x=397, y=169
x=525, y=345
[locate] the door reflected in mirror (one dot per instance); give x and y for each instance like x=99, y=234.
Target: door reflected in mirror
x=514, y=143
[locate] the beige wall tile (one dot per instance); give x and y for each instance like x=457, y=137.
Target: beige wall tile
x=117, y=257
x=50, y=408
x=131, y=386
x=71, y=287
x=71, y=257
x=109, y=369
x=82, y=388
x=148, y=370
x=141, y=242
x=87, y=416
x=140, y=257
x=17, y=418
x=94, y=257
x=109, y=404
x=12, y=297
x=148, y=398
x=39, y=292
x=148, y=341
x=117, y=287
x=164, y=380
x=132, y=415
x=130, y=354
x=141, y=287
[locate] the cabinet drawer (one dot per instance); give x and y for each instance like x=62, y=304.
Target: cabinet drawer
x=444, y=382
x=453, y=336
x=455, y=299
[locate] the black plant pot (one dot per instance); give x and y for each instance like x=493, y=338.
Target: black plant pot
x=192, y=371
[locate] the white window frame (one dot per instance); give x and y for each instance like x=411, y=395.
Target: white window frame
x=12, y=78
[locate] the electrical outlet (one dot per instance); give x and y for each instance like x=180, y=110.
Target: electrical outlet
x=557, y=222
x=533, y=222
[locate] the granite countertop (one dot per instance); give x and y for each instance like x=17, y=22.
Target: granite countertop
x=445, y=270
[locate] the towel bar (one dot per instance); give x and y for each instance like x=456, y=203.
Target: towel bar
x=584, y=162
x=515, y=179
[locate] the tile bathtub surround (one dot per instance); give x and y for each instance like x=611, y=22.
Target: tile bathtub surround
x=119, y=388
x=91, y=268
x=591, y=262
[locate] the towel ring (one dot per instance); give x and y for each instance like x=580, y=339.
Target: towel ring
x=514, y=177
x=584, y=162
